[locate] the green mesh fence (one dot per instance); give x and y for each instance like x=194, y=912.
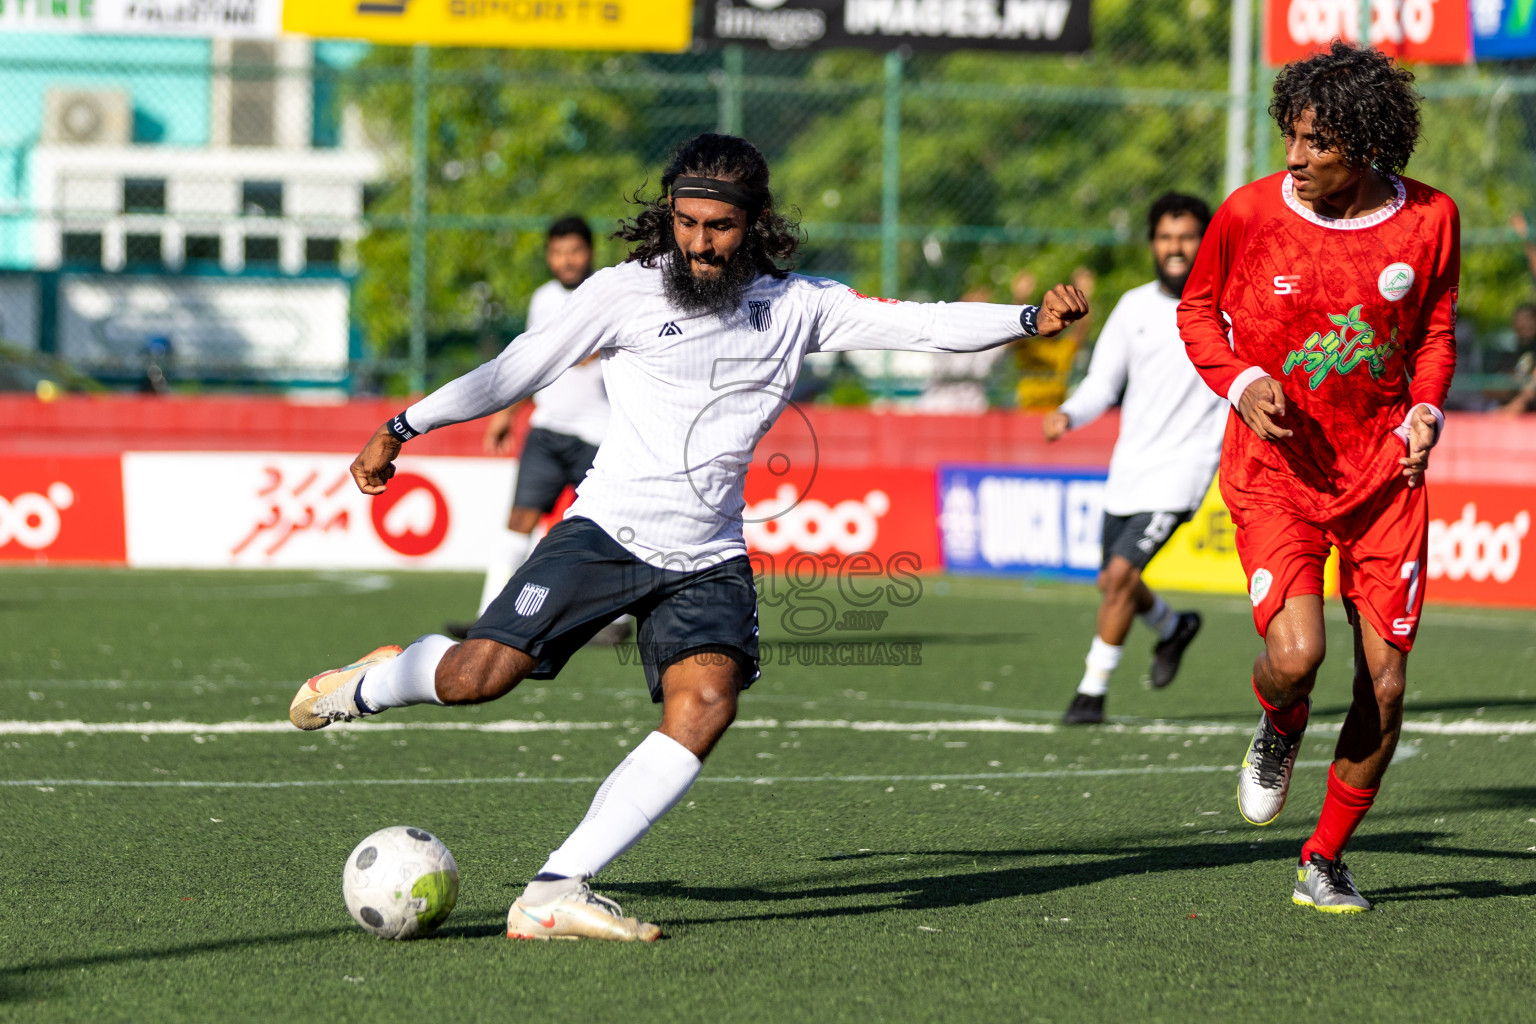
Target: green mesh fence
x=417, y=184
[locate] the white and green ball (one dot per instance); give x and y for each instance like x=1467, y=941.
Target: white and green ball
x=400, y=883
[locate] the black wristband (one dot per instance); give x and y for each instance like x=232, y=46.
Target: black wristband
x=1027, y=319
x=400, y=428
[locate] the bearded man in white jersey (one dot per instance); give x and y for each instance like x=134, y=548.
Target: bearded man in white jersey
x=701, y=333
x=1164, y=458
x=569, y=419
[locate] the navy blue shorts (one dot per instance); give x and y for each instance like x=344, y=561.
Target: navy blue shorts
x=1138, y=537
x=579, y=579
x=550, y=462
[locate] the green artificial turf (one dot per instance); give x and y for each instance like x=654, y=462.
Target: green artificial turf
x=818, y=871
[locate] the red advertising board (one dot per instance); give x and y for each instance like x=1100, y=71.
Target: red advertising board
x=839, y=512
x=1426, y=31
x=61, y=509
x=1477, y=534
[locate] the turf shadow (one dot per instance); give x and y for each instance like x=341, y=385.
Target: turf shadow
x=1425, y=842
x=1479, y=889
x=933, y=892
x=14, y=979
x=1470, y=704
x=482, y=926
x=1410, y=707
x=957, y=890
x=1498, y=797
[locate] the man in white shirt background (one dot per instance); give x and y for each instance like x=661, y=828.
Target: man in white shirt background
x=1164, y=459
x=569, y=419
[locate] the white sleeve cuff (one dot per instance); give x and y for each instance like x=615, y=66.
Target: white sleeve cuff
x=1439, y=416
x=1248, y=376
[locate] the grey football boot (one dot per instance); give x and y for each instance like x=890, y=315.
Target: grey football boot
x=1265, y=776
x=1327, y=885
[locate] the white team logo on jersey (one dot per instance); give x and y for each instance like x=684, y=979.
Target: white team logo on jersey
x=530, y=599
x=1395, y=281
x=1258, y=590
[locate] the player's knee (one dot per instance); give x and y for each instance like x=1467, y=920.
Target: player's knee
x=709, y=705
x=1297, y=660
x=1388, y=689
x=716, y=701
x=1117, y=580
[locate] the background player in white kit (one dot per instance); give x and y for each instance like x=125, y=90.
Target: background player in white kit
x=569, y=419
x=702, y=332
x=1167, y=451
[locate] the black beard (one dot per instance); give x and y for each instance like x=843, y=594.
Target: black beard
x=719, y=295
x=1175, y=285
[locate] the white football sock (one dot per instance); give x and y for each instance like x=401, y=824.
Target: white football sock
x=508, y=553
x=1161, y=618
x=641, y=789
x=409, y=678
x=1101, y=661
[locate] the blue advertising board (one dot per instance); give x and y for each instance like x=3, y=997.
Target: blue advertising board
x=1020, y=519
x=1503, y=29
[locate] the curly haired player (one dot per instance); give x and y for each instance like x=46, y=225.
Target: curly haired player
x=1336, y=283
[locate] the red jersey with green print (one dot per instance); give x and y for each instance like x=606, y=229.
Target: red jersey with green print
x=1356, y=320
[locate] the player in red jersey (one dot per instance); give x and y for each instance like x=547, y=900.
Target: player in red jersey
x=1336, y=281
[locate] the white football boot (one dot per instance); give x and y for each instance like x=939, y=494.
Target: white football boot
x=577, y=914
x=331, y=696
x=1265, y=776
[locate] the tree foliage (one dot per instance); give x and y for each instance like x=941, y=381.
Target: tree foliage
x=1007, y=162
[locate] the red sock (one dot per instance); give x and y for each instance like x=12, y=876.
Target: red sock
x=1287, y=721
x=1343, y=809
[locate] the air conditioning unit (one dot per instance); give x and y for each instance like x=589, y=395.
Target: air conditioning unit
x=87, y=117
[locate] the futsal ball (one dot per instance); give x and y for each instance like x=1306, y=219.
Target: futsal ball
x=400, y=883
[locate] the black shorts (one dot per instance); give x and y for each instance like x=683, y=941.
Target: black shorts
x=550, y=462
x=1136, y=538
x=579, y=579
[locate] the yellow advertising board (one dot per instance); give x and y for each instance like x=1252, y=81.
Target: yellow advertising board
x=656, y=26
x=1202, y=555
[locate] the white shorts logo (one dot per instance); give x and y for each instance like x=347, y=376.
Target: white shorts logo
x=1258, y=590
x=1395, y=281
x=530, y=599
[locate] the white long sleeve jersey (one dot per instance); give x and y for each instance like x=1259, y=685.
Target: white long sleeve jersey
x=1170, y=422
x=576, y=403
x=691, y=395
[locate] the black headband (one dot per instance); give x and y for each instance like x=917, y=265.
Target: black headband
x=722, y=191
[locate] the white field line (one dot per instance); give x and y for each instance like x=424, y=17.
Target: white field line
x=62, y=727
x=180, y=728
x=753, y=780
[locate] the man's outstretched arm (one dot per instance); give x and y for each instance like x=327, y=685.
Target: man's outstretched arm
x=850, y=322
x=532, y=361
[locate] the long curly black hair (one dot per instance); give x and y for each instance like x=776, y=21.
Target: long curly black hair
x=1366, y=105
x=773, y=240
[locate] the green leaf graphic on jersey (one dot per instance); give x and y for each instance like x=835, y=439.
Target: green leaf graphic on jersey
x=1341, y=351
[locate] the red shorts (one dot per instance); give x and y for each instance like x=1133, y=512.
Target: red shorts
x=1383, y=549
